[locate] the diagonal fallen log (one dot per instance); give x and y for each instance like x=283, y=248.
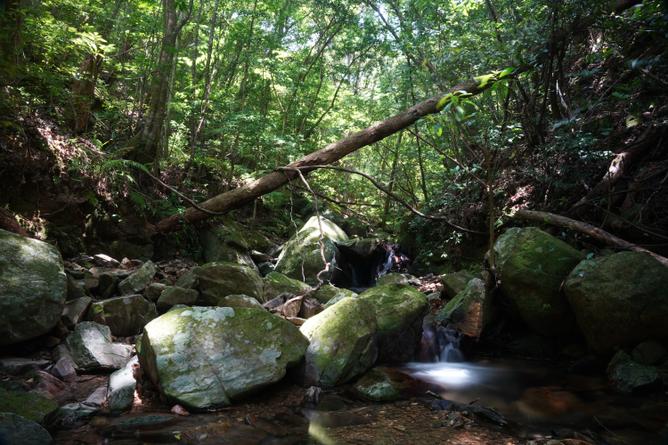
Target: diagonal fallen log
x=333, y=152
x=583, y=227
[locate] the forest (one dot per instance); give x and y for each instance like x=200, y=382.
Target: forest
x=333, y=222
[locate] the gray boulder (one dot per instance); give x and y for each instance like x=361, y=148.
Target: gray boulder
x=91, y=348
x=33, y=288
x=628, y=376
x=124, y=315
x=218, y=280
x=173, y=295
x=121, y=389
x=14, y=429
x=203, y=357
x=138, y=280
x=619, y=300
x=239, y=301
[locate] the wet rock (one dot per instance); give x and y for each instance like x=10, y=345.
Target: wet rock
x=329, y=295
x=239, y=301
x=75, y=288
x=121, y=390
x=399, y=312
x=124, y=315
x=455, y=282
x=276, y=283
x=138, y=280
x=64, y=368
x=173, y=295
x=15, y=429
x=218, y=280
x=619, y=300
x=107, y=284
x=153, y=291
x=342, y=343
x=97, y=397
x=71, y=416
x=203, y=357
x=379, y=385
x=75, y=310
x=29, y=405
x=21, y=365
x=628, y=376
x=470, y=311
x=103, y=260
x=33, y=286
x=225, y=244
x=301, y=258
x=395, y=278
x=531, y=266
x=649, y=353
x=92, y=349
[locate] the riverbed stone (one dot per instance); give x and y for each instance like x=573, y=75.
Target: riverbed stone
x=470, y=311
x=71, y=415
x=276, y=283
x=125, y=315
x=531, y=266
x=218, y=280
x=455, y=282
x=173, y=295
x=628, y=376
x=239, y=300
x=92, y=349
x=380, y=385
x=33, y=287
x=121, y=389
x=225, y=243
x=619, y=300
x=138, y=280
x=204, y=357
x=153, y=291
x=29, y=405
x=15, y=429
x=328, y=294
x=399, y=311
x=74, y=311
x=395, y=278
x=342, y=343
x=301, y=258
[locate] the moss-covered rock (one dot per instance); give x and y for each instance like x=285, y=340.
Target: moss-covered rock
x=531, y=265
x=15, y=429
x=329, y=295
x=138, y=279
x=399, y=312
x=124, y=315
x=217, y=280
x=394, y=278
x=380, y=385
x=203, y=357
x=342, y=343
x=470, y=311
x=619, y=300
x=239, y=300
x=276, y=283
x=30, y=405
x=301, y=257
x=455, y=282
x=628, y=376
x=173, y=295
x=33, y=288
x=225, y=243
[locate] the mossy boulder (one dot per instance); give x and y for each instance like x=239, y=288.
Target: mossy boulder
x=205, y=357
x=531, y=266
x=225, y=243
x=342, y=343
x=381, y=385
x=138, y=280
x=399, y=312
x=217, y=280
x=30, y=405
x=15, y=429
x=619, y=300
x=173, y=295
x=470, y=311
x=124, y=315
x=394, y=278
x=239, y=300
x=455, y=282
x=276, y=283
x=627, y=376
x=329, y=295
x=33, y=288
x=301, y=257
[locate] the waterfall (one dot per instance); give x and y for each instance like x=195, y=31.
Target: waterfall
x=439, y=343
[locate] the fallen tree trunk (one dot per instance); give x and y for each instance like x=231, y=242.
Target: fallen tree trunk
x=583, y=227
x=333, y=152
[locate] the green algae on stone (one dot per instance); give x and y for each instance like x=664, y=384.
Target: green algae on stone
x=276, y=283
x=30, y=405
x=33, y=288
x=399, y=312
x=124, y=315
x=470, y=311
x=619, y=300
x=138, y=280
x=204, y=357
x=173, y=295
x=378, y=385
x=217, y=280
x=455, y=282
x=531, y=266
x=342, y=343
x=330, y=295
x=239, y=300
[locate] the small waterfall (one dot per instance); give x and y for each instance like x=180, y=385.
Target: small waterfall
x=439, y=343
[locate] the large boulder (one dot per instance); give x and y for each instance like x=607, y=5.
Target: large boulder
x=204, y=357
x=225, y=243
x=218, y=280
x=329, y=295
x=173, y=295
x=276, y=283
x=91, y=348
x=33, y=288
x=124, y=315
x=14, y=429
x=399, y=312
x=619, y=300
x=301, y=257
x=470, y=311
x=531, y=266
x=455, y=282
x=342, y=343
x=627, y=376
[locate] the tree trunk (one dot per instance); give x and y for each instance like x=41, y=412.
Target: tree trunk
x=331, y=153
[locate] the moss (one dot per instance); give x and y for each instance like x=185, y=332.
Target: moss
x=276, y=283
x=26, y=404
